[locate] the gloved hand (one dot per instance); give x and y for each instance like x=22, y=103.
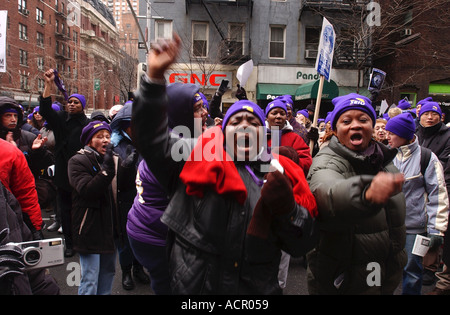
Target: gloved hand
x=277, y=198
x=313, y=134
x=223, y=87
x=240, y=93
x=108, y=161
x=10, y=258
x=277, y=193
x=435, y=240
x=131, y=158
x=289, y=152
x=37, y=235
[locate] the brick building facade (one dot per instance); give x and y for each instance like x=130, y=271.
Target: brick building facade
x=72, y=36
x=419, y=63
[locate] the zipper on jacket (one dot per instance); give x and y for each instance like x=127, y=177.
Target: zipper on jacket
x=83, y=221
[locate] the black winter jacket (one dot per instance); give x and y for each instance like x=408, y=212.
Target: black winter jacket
x=210, y=252
x=93, y=215
x=67, y=130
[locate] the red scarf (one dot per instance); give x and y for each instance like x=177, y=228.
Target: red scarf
x=220, y=174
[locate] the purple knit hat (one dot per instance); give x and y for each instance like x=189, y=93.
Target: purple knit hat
x=91, y=129
x=304, y=112
x=349, y=102
x=276, y=103
x=244, y=105
x=80, y=97
x=430, y=106
x=402, y=125
x=403, y=104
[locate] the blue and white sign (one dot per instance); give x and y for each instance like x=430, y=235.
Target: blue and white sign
x=327, y=42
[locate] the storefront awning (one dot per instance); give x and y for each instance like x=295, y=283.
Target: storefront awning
x=268, y=91
x=439, y=89
x=309, y=90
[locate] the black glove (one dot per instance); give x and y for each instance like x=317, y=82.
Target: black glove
x=108, y=161
x=313, y=134
x=435, y=241
x=277, y=198
x=223, y=87
x=132, y=157
x=240, y=93
x=37, y=235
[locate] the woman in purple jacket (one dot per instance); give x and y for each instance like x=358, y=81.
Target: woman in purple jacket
x=146, y=233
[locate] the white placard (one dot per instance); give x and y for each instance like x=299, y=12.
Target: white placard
x=244, y=72
x=421, y=245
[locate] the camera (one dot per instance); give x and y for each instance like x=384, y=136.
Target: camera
x=42, y=253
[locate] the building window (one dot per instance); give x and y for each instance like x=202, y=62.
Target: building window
x=23, y=55
x=40, y=39
x=41, y=85
x=75, y=36
x=40, y=63
x=200, y=33
x=163, y=29
x=277, y=42
x=23, y=32
x=23, y=82
x=39, y=16
x=236, y=36
x=22, y=5
x=312, y=38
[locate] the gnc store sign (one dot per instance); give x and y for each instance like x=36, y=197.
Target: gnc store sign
x=212, y=80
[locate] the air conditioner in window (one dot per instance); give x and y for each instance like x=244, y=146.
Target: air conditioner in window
x=43, y=22
x=25, y=11
x=310, y=54
x=25, y=37
x=407, y=32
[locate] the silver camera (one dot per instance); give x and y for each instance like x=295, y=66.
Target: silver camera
x=42, y=253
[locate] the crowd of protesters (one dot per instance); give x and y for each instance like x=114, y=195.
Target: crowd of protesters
x=207, y=202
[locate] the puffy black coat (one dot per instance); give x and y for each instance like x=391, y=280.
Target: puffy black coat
x=93, y=215
x=210, y=252
x=353, y=231
x=67, y=130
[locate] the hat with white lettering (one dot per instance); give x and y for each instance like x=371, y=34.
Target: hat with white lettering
x=348, y=102
x=276, y=103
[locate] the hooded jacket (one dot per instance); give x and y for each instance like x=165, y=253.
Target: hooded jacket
x=123, y=187
x=354, y=232
x=208, y=244
x=425, y=194
x=149, y=204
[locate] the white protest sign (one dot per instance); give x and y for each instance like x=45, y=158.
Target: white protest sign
x=384, y=106
x=244, y=72
x=327, y=42
x=3, y=22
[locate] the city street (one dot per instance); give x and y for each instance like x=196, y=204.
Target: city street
x=296, y=283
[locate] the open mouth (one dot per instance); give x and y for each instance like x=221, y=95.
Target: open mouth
x=244, y=142
x=356, y=139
